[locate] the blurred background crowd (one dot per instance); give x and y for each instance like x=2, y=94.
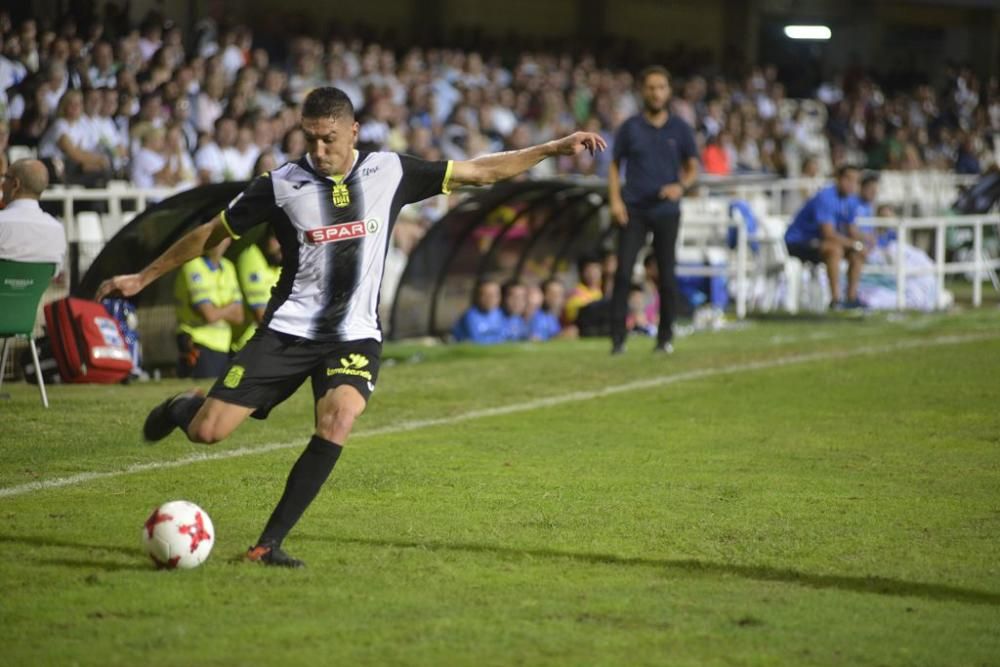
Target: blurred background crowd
x=148, y=103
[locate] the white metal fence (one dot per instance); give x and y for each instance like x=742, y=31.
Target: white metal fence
x=922, y=197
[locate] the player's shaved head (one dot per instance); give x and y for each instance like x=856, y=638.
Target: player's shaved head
x=327, y=102
x=32, y=175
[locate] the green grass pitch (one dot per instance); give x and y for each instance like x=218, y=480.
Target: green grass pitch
x=794, y=493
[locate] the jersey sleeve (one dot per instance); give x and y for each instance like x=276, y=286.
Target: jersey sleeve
x=251, y=207
x=423, y=179
x=196, y=282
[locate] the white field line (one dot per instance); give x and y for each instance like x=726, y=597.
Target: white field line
x=561, y=399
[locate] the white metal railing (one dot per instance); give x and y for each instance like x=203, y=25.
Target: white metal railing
x=710, y=231
x=980, y=266
x=927, y=192
x=115, y=195
x=913, y=193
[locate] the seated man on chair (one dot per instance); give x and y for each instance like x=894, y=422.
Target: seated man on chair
x=823, y=231
x=27, y=233
x=483, y=321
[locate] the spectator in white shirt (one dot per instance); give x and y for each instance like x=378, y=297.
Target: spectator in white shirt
x=28, y=234
x=179, y=157
x=150, y=166
x=211, y=159
x=243, y=155
x=56, y=85
x=111, y=137
x=181, y=114
x=70, y=144
x=210, y=103
x=269, y=99
x=12, y=72
x=103, y=72
x=151, y=39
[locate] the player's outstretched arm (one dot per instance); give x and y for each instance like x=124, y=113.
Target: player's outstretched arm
x=191, y=245
x=498, y=166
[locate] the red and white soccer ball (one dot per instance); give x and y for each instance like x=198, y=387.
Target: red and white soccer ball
x=178, y=534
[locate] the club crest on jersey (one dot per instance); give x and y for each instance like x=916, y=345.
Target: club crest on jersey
x=341, y=195
x=342, y=231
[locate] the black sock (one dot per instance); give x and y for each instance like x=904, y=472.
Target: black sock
x=304, y=482
x=182, y=410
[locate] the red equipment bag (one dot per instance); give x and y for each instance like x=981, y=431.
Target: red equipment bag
x=86, y=342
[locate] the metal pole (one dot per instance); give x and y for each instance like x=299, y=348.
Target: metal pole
x=741, y=268
x=73, y=242
x=977, y=271
x=114, y=212
x=939, y=259
x=900, y=268
x=38, y=371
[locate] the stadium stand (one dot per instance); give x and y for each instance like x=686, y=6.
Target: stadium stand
x=173, y=109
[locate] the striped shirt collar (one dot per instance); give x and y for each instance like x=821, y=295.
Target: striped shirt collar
x=339, y=178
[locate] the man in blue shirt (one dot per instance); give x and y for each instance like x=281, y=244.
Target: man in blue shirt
x=864, y=206
x=544, y=323
x=514, y=303
x=660, y=159
x=824, y=231
x=483, y=322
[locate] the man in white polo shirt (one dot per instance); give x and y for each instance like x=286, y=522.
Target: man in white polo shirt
x=27, y=233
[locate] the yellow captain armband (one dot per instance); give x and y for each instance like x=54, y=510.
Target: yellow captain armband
x=225, y=223
x=446, y=183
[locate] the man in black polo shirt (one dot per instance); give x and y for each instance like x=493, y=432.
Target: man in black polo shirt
x=660, y=160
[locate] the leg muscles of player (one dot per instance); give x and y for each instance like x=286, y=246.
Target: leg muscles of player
x=215, y=420
x=336, y=412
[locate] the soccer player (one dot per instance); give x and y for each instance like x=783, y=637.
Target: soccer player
x=333, y=211
x=658, y=151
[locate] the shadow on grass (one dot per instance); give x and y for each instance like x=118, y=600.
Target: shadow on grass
x=46, y=541
x=857, y=584
x=828, y=317
x=102, y=557
x=94, y=564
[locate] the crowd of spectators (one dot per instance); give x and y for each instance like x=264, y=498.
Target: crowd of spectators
x=159, y=107
x=516, y=311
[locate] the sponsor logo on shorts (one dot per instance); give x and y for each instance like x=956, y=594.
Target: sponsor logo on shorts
x=352, y=365
x=233, y=377
x=342, y=231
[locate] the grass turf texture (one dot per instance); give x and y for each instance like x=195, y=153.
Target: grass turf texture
x=838, y=511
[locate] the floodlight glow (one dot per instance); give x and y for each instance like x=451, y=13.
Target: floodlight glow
x=818, y=32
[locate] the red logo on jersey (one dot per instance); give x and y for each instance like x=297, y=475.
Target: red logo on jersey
x=334, y=233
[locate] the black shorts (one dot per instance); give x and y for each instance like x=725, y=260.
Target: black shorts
x=272, y=366
x=807, y=252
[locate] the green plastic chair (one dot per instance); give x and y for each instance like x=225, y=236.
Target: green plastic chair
x=21, y=287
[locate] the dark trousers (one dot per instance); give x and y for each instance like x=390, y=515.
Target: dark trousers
x=198, y=361
x=630, y=242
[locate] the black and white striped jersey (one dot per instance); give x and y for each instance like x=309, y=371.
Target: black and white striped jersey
x=334, y=234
